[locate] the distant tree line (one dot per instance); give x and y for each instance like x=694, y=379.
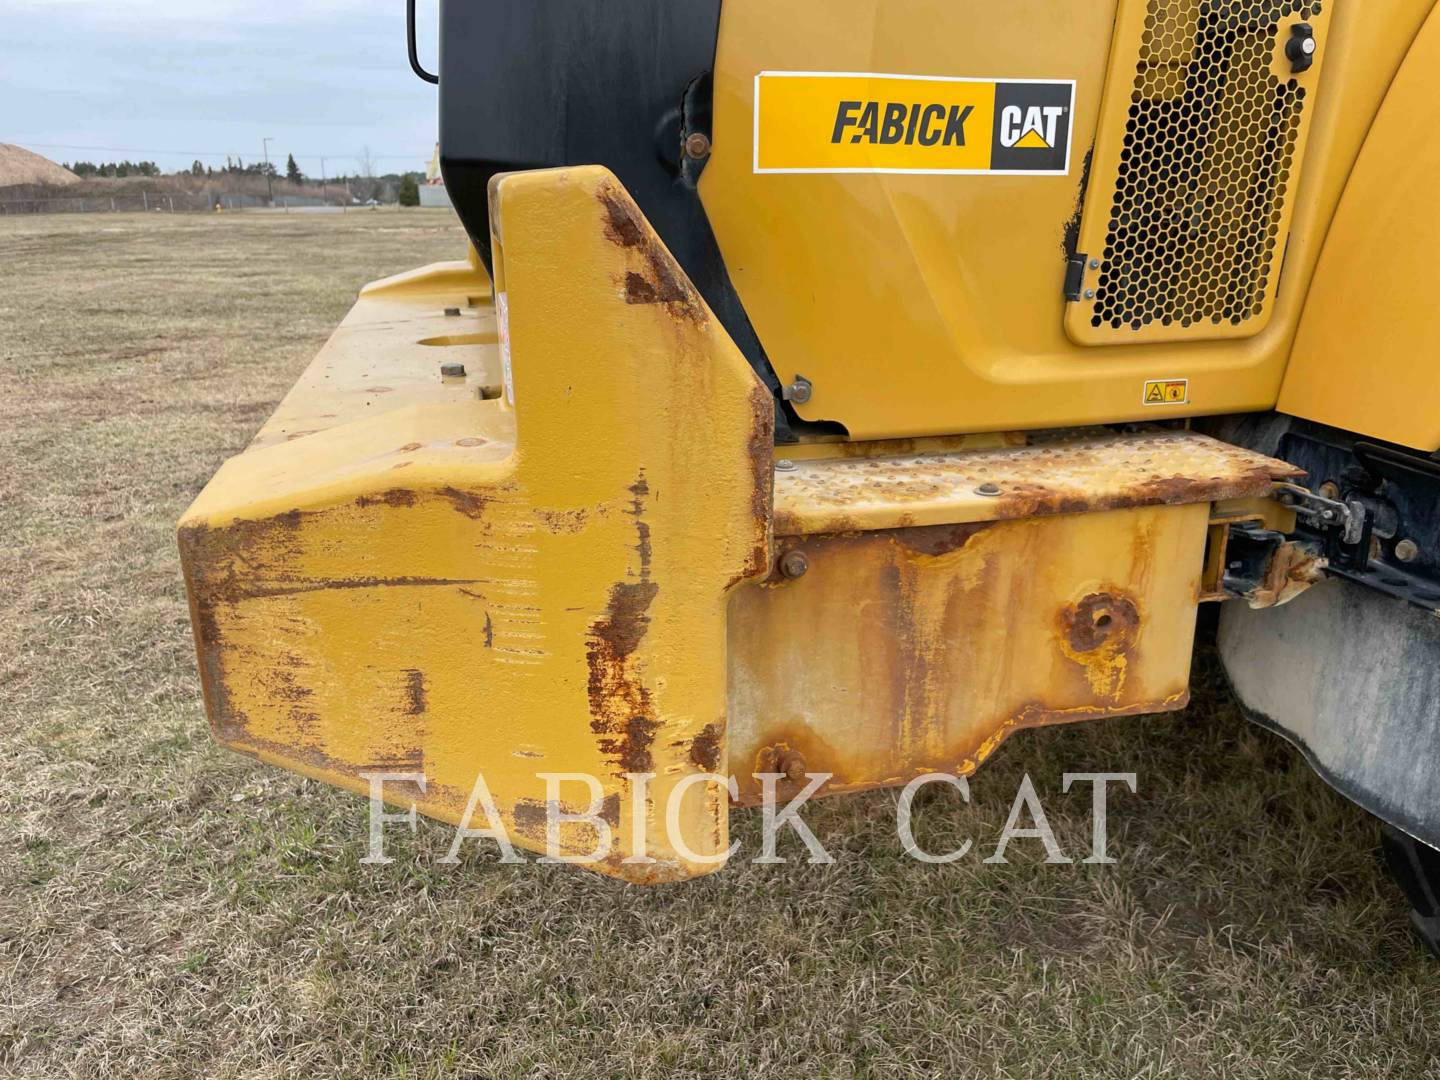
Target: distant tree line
x=363, y=185
x=115, y=168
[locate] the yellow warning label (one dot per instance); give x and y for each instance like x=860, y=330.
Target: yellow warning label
x=864, y=122
x=1167, y=392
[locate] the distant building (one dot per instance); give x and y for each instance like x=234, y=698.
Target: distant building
x=432, y=192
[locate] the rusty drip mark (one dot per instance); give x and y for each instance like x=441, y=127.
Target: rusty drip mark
x=280, y=681
x=705, y=750
x=531, y=817
x=761, y=449
x=237, y=593
x=1026, y=499
x=638, y=491
x=939, y=539
x=620, y=704
x=915, y=635
x=622, y=224
x=641, y=290
x=564, y=521
x=626, y=620
x=412, y=760
x=532, y=821
x=489, y=631
x=415, y=695
x=396, y=497
x=610, y=810
x=470, y=503
x=204, y=553
x=659, y=280
x=1099, y=633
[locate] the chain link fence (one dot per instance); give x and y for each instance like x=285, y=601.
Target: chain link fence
x=165, y=202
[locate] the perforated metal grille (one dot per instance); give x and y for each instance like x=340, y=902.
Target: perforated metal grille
x=1205, y=167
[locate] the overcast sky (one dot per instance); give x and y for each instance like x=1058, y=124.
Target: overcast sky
x=175, y=80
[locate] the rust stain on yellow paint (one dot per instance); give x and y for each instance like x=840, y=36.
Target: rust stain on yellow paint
x=1099, y=633
x=914, y=650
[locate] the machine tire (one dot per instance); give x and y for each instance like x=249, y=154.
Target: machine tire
x=1416, y=867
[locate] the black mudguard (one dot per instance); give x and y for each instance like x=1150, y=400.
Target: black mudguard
x=1351, y=677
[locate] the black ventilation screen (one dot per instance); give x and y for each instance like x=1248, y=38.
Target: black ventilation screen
x=1196, y=225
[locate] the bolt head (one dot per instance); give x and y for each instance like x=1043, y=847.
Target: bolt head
x=792, y=765
x=988, y=490
x=794, y=564
x=799, y=391
x=1094, y=264
x=697, y=145
x=784, y=465
x=1089, y=294
x=452, y=369
x=1407, y=551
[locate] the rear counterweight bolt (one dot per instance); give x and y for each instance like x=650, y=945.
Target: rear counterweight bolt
x=793, y=564
x=697, y=145
x=792, y=766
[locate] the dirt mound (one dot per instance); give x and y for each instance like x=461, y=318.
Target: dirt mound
x=20, y=166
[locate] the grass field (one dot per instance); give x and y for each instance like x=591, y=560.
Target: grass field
x=168, y=908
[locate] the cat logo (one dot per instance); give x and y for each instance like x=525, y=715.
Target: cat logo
x=1032, y=128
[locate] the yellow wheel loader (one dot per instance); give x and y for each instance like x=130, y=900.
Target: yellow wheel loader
x=841, y=386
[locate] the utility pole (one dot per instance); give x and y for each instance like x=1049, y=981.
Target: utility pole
x=265, y=151
x=322, y=179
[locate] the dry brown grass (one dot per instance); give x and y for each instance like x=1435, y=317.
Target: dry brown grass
x=168, y=908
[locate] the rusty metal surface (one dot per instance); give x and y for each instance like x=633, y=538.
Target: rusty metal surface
x=402, y=575
x=1060, y=475
x=1293, y=568
x=906, y=651
x=406, y=573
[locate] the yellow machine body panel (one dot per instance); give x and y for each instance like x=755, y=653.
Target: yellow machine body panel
x=1365, y=354
x=413, y=573
x=924, y=301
